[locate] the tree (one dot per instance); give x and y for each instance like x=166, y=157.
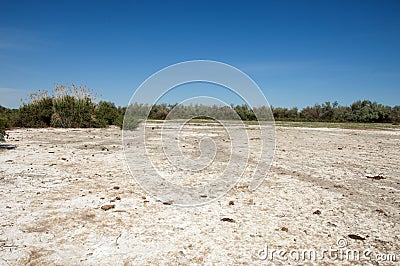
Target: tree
x=310, y=113
x=395, y=114
x=367, y=111
x=159, y=112
x=326, y=112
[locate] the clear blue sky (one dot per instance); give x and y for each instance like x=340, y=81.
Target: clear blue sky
x=299, y=52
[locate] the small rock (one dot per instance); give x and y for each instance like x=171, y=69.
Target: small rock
x=376, y=177
x=168, y=202
x=226, y=219
x=118, y=198
x=116, y=187
x=107, y=207
x=231, y=202
x=332, y=224
x=318, y=212
x=356, y=237
x=7, y=146
x=285, y=229
x=381, y=211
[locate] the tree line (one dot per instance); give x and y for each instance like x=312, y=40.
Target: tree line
x=364, y=111
x=75, y=107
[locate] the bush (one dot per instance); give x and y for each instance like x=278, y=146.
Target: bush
x=130, y=122
x=131, y=119
x=120, y=119
x=106, y=114
x=4, y=124
x=72, y=112
x=69, y=107
x=38, y=113
x=73, y=107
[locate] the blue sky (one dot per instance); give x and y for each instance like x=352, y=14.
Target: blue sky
x=299, y=52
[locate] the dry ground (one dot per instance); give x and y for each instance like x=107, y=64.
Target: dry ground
x=53, y=185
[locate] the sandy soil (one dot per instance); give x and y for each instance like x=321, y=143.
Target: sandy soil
x=54, y=184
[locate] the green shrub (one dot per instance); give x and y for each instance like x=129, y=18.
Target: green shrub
x=38, y=113
x=131, y=119
x=106, y=114
x=4, y=124
x=72, y=112
x=73, y=107
x=131, y=122
x=119, y=120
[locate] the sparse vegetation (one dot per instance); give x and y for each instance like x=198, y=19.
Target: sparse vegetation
x=75, y=107
x=68, y=107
